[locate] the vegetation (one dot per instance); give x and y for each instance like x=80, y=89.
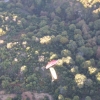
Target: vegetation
x=33, y=32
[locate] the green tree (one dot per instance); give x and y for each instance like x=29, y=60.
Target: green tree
x=5, y=84
x=76, y=98
x=79, y=39
x=53, y=27
x=64, y=40
x=88, y=98
x=65, y=53
x=74, y=69
x=62, y=25
x=68, y=99
x=60, y=97
x=77, y=31
x=42, y=23
x=69, y=13
x=98, y=40
x=79, y=59
x=72, y=27
x=86, y=51
x=68, y=60
x=18, y=4
x=97, y=24
x=72, y=45
x=64, y=33
x=98, y=77
x=91, y=25
x=10, y=5
x=80, y=80
x=58, y=10
x=63, y=90
x=45, y=30
x=95, y=16
x=88, y=82
x=24, y=22
x=86, y=64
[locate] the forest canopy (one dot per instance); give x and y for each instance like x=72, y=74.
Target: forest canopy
x=35, y=32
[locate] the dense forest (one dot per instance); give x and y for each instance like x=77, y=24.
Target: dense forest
x=34, y=32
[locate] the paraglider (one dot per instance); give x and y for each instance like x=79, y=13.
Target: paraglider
x=53, y=73
x=51, y=63
x=50, y=66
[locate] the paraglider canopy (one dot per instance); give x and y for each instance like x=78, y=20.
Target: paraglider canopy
x=51, y=63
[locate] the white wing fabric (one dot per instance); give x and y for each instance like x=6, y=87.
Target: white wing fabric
x=53, y=73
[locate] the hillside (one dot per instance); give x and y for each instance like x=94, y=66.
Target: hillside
x=35, y=32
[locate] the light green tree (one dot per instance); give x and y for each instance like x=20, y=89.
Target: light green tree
x=60, y=97
x=80, y=80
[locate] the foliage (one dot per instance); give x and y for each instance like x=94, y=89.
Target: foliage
x=77, y=31
x=80, y=80
x=98, y=76
x=87, y=51
x=2, y=32
x=98, y=40
x=72, y=27
x=97, y=24
x=9, y=98
x=88, y=98
x=79, y=59
x=65, y=53
x=76, y=98
x=58, y=10
x=89, y=82
x=64, y=40
x=67, y=99
x=34, y=32
x=72, y=45
x=74, y=69
x=60, y=97
x=5, y=84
